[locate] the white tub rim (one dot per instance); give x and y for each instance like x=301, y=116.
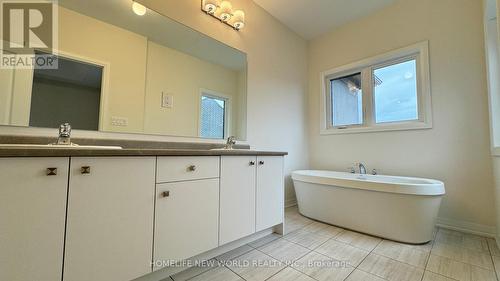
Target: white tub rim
x=420, y=186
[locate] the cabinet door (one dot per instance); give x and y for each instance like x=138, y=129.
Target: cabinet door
x=32, y=218
x=237, y=197
x=186, y=219
x=270, y=192
x=110, y=218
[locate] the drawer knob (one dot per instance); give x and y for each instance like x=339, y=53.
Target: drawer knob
x=165, y=194
x=252, y=163
x=85, y=170
x=51, y=171
x=192, y=168
x=261, y=162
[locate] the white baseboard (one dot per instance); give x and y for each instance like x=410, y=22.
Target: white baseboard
x=290, y=203
x=467, y=227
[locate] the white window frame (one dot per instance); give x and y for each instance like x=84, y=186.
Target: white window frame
x=227, y=110
x=419, y=52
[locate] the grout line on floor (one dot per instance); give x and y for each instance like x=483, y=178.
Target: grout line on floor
x=361, y=262
x=255, y=248
x=429, y=256
x=276, y=273
x=234, y=272
x=454, y=259
x=192, y=277
x=492, y=260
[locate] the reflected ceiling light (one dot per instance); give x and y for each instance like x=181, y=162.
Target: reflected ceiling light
x=223, y=11
x=138, y=9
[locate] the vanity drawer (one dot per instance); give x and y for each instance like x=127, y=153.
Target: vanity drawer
x=171, y=169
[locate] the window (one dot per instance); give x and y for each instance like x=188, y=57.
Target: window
x=213, y=116
x=395, y=92
x=387, y=92
x=347, y=99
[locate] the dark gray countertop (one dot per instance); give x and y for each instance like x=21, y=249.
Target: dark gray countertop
x=63, y=152
x=130, y=148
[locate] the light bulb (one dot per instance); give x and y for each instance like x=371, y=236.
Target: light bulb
x=210, y=6
x=238, y=20
x=225, y=11
x=138, y=9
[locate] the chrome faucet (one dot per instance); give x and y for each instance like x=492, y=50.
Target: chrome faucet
x=64, y=134
x=362, y=169
x=230, y=142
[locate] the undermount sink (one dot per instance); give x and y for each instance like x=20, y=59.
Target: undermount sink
x=59, y=146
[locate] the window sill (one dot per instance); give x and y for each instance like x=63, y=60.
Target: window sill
x=495, y=151
x=379, y=128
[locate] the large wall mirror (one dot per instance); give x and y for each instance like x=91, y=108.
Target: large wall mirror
x=125, y=73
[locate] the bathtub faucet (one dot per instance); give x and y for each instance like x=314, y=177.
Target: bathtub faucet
x=362, y=169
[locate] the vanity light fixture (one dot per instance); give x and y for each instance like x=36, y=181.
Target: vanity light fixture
x=238, y=19
x=226, y=11
x=223, y=11
x=210, y=6
x=138, y=9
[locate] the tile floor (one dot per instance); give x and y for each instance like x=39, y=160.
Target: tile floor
x=314, y=251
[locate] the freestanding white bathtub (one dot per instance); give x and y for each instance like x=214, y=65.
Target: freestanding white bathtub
x=397, y=208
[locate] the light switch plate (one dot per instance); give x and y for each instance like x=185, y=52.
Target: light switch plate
x=119, y=121
x=167, y=100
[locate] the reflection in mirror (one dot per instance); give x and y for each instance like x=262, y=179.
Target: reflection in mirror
x=120, y=72
x=214, y=110
x=71, y=93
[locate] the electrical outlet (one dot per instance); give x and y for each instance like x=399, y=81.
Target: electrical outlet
x=167, y=100
x=119, y=121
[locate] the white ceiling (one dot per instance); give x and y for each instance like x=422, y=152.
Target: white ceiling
x=311, y=18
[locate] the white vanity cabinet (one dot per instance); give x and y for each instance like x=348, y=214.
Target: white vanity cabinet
x=187, y=208
x=270, y=196
x=118, y=218
x=251, y=195
x=32, y=216
x=237, y=197
x=109, y=232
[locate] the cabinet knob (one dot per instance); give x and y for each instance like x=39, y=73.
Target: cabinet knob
x=252, y=163
x=192, y=168
x=261, y=162
x=85, y=170
x=165, y=194
x=51, y=171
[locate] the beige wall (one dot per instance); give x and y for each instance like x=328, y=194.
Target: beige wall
x=183, y=76
x=456, y=150
x=277, y=65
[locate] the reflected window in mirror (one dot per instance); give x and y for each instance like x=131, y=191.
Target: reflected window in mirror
x=213, y=116
x=69, y=94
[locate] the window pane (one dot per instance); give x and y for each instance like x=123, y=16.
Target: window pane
x=347, y=103
x=212, y=117
x=396, y=92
